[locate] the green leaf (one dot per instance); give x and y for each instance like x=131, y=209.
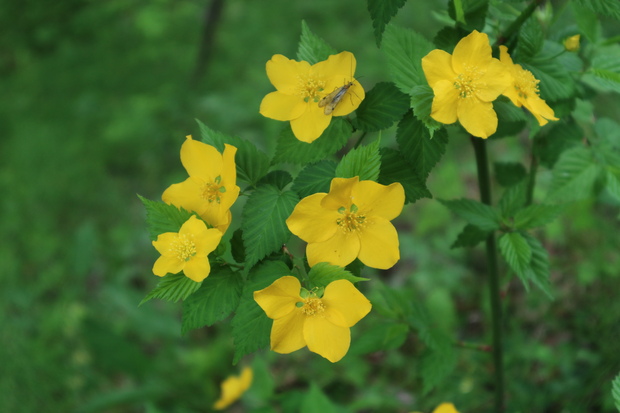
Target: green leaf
x=422, y=103
x=236, y=246
x=394, y=168
x=470, y=237
x=312, y=48
x=436, y=366
x=322, y=274
x=315, y=401
x=604, y=73
x=511, y=119
x=538, y=215
x=474, y=13
x=517, y=253
x=252, y=164
x=422, y=150
x=364, y=162
x=264, y=222
x=405, y=50
x=609, y=8
x=612, y=184
x=217, y=297
x=476, y=213
x=173, y=287
x=315, y=178
x=551, y=141
x=292, y=150
x=381, y=12
x=615, y=391
x=513, y=199
x=382, y=106
x=573, y=176
x=279, y=179
x=509, y=173
x=531, y=39
x=588, y=22
x=555, y=81
x=538, y=272
x=250, y=325
x=381, y=337
x=447, y=38
x=162, y=218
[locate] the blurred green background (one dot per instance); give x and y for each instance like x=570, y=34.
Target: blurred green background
x=97, y=98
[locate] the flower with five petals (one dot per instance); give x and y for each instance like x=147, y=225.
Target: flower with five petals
x=301, y=318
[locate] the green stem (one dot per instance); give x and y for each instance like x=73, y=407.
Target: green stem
x=516, y=25
x=484, y=183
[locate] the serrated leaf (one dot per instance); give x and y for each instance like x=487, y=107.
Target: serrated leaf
x=364, y=162
x=555, y=80
x=381, y=337
x=474, y=212
x=531, y=39
x=517, y=253
x=279, y=179
x=609, y=8
x=173, y=287
x=511, y=119
x=509, y=173
x=405, y=50
x=250, y=325
x=538, y=272
x=537, y=215
x=604, y=72
x=470, y=236
x=436, y=366
x=264, y=222
x=236, y=246
x=422, y=102
x=474, y=13
x=588, y=22
x=382, y=106
x=322, y=274
x=217, y=297
x=315, y=178
x=252, y=163
x=573, y=176
x=315, y=401
x=394, y=168
x=447, y=38
x=513, y=199
x=312, y=48
x=615, y=391
x=418, y=147
x=551, y=141
x=292, y=150
x=381, y=12
x=162, y=218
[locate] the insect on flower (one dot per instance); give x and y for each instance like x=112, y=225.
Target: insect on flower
x=331, y=101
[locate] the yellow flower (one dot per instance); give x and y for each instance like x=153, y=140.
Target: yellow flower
x=572, y=43
x=186, y=250
x=211, y=187
x=352, y=221
x=232, y=389
x=321, y=323
x=445, y=408
x=524, y=90
x=465, y=83
x=300, y=88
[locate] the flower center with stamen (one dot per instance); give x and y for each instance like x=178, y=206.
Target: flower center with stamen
x=309, y=88
x=351, y=220
x=183, y=247
x=467, y=82
x=212, y=191
x=526, y=84
x=313, y=307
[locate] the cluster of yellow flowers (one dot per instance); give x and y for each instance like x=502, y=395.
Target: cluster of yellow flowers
x=466, y=83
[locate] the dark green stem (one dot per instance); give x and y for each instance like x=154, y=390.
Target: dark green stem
x=516, y=25
x=484, y=183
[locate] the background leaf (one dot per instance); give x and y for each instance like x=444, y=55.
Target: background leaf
x=381, y=12
x=394, y=168
x=264, y=222
x=517, y=253
x=322, y=274
x=470, y=236
x=312, y=48
x=422, y=150
x=537, y=215
x=162, y=218
x=474, y=212
x=573, y=176
x=315, y=178
x=509, y=173
x=363, y=161
x=173, y=287
x=610, y=8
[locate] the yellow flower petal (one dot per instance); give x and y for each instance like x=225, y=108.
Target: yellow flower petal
x=278, y=106
x=311, y=124
x=445, y=408
x=287, y=333
x=474, y=50
x=379, y=244
x=445, y=102
x=572, y=43
x=233, y=387
x=496, y=80
x=340, y=192
x=163, y=242
x=187, y=195
x=351, y=101
x=336, y=68
x=539, y=108
x=197, y=269
x=310, y=222
x=381, y=200
x=437, y=66
x=344, y=304
x=477, y=117
x=194, y=156
x=167, y=265
x=326, y=339
x=284, y=73
x=279, y=299
x=341, y=249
